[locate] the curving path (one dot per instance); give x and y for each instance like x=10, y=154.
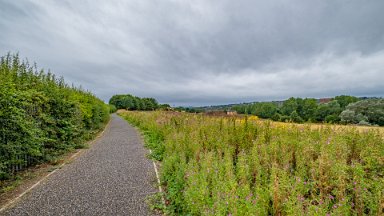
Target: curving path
x=112, y=178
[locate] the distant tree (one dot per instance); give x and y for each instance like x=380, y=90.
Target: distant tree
x=351, y=117
x=117, y=101
x=308, y=108
x=332, y=118
x=295, y=117
x=344, y=100
x=243, y=108
x=276, y=117
x=289, y=106
x=131, y=102
x=164, y=106
x=264, y=109
x=128, y=102
x=328, y=112
x=240, y=109
x=150, y=103
x=370, y=110
x=285, y=118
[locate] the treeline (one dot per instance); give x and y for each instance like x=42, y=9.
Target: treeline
x=189, y=109
x=130, y=102
x=41, y=116
x=341, y=109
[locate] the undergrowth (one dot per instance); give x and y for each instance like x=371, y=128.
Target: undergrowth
x=244, y=166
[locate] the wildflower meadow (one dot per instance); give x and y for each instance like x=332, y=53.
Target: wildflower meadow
x=214, y=165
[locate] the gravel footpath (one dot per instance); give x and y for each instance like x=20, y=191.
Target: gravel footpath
x=113, y=177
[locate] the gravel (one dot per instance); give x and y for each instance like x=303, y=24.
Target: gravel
x=113, y=177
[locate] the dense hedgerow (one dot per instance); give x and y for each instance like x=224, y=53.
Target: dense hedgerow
x=244, y=166
x=41, y=116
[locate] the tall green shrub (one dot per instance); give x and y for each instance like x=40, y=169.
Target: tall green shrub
x=41, y=116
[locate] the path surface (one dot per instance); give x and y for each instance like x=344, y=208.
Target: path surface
x=112, y=178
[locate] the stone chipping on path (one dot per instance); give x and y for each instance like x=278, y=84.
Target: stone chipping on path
x=113, y=177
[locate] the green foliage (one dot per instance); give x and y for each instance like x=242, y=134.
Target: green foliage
x=164, y=106
x=130, y=102
x=112, y=108
x=188, y=109
x=240, y=166
x=41, y=116
x=264, y=109
x=295, y=117
x=370, y=111
x=344, y=100
x=305, y=110
x=328, y=112
x=289, y=106
x=308, y=108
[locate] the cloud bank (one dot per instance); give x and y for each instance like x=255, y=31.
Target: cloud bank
x=204, y=52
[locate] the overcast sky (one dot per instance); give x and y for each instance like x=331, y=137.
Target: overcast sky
x=201, y=52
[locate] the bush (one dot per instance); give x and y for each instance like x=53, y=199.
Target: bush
x=295, y=117
x=112, y=108
x=370, y=110
x=41, y=116
x=332, y=118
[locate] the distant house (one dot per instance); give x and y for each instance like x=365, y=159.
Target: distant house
x=324, y=100
x=231, y=113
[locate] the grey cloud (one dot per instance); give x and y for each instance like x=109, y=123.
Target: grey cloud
x=203, y=52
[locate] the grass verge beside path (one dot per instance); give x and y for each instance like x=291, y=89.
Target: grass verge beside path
x=243, y=166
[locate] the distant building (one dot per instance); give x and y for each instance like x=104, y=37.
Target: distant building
x=231, y=113
x=324, y=100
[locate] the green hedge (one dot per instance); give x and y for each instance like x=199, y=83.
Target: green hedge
x=41, y=116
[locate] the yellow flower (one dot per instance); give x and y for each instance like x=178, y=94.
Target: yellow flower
x=253, y=118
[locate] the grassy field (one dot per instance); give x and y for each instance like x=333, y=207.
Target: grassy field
x=244, y=166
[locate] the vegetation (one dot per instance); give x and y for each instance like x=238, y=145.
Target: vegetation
x=112, y=108
x=243, y=166
x=341, y=109
x=130, y=102
x=365, y=112
x=41, y=116
x=189, y=109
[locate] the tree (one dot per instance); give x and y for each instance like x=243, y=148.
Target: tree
x=164, y=106
x=308, y=109
x=150, y=103
x=295, y=117
x=328, y=112
x=370, y=110
x=264, y=109
x=344, y=100
x=241, y=109
x=117, y=101
x=289, y=106
x=131, y=102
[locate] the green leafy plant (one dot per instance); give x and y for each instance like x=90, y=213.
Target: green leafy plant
x=41, y=116
x=245, y=166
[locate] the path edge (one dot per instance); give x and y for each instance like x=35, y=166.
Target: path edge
x=13, y=201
